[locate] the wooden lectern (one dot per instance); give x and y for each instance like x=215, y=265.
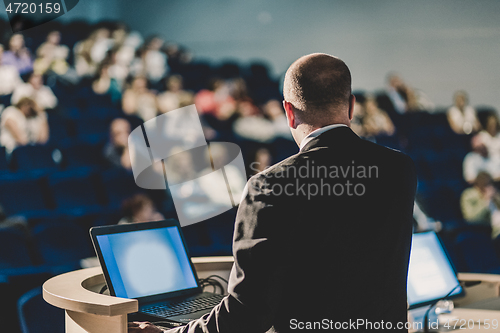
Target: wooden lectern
x=86, y=310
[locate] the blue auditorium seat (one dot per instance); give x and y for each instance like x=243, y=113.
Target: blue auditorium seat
x=476, y=249
x=24, y=194
x=40, y=158
x=282, y=148
x=420, y=138
x=119, y=185
x=82, y=154
x=75, y=192
x=391, y=141
x=92, y=131
x=4, y=164
x=60, y=243
x=14, y=250
x=38, y=316
x=5, y=100
x=439, y=200
x=444, y=164
x=58, y=128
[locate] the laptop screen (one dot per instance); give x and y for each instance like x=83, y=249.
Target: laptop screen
x=146, y=262
x=431, y=275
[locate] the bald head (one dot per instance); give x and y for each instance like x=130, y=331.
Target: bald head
x=318, y=86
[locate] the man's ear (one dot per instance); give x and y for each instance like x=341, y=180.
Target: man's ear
x=352, y=101
x=290, y=116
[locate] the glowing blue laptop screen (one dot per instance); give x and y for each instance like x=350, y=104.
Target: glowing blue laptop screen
x=146, y=262
x=431, y=275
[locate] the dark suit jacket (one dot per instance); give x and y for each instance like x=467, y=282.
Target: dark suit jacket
x=305, y=252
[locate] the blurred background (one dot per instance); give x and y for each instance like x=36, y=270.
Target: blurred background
x=424, y=74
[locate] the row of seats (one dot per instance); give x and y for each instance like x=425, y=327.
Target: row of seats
x=73, y=192
x=46, y=159
x=52, y=244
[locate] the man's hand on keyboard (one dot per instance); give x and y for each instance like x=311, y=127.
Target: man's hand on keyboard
x=143, y=327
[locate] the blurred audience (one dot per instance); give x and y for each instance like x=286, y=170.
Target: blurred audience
x=357, y=117
x=479, y=160
x=115, y=70
x=104, y=84
x=139, y=100
x=252, y=124
x=91, y=51
x=10, y=76
x=34, y=89
x=139, y=208
x=262, y=160
x=376, y=121
x=18, y=55
x=490, y=135
x=480, y=203
x=404, y=98
x=22, y=124
x=116, y=150
x=51, y=55
x=461, y=116
x=216, y=100
x=174, y=97
x=151, y=60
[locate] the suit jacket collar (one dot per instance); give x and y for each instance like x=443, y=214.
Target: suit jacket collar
x=337, y=135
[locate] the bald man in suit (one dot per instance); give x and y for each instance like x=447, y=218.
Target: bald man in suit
x=322, y=239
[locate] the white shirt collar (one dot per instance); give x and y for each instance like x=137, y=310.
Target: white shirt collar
x=317, y=132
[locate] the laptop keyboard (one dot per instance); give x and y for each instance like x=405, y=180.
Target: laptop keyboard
x=186, y=306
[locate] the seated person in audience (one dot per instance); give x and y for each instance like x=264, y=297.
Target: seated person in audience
x=214, y=100
x=481, y=203
x=116, y=150
x=274, y=112
x=104, y=84
x=90, y=52
x=139, y=100
x=23, y=124
x=261, y=126
x=139, y=208
x=10, y=78
x=119, y=68
x=490, y=135
x=175, y=97
x=252, y=124
x=358, y=115
x=461, y=116
x=18, y=55
x=262, y=160
x=51, y=55
x=404, y=98
x=376, y=121
x=34, y=89
x=479, y=160
x=152, y=61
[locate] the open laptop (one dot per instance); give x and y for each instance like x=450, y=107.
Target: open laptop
x=150, y=262
x=431, y=275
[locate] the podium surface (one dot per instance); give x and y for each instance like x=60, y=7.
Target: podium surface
x=86, y=310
